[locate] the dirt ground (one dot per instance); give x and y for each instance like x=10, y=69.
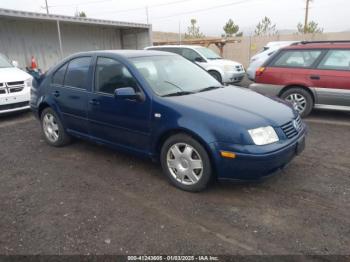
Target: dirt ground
x=87, y=199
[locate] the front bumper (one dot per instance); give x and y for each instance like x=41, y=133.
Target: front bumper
x=233, y=77
x=255, y=166
x=15, y=101
x=266, y=89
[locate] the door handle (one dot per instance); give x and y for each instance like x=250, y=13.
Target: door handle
x=56, y=93
x=315, y=77
x=94, y=102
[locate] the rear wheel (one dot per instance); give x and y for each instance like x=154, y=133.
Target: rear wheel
x=52, y=128
x=186, y=163
x=216, y=75
x=300, y=98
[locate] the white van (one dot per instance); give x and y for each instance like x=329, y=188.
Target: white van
x=15, y=86
x=260, y=58
x=225, y=71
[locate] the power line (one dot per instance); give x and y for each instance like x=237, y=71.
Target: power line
x=81, y=3
x=142, y=8
x=205, y=9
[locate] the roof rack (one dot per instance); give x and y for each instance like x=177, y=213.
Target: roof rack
x=321, y=42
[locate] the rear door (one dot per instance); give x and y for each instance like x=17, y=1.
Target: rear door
x=333, y=78
x=70, y=86
x=291, y=67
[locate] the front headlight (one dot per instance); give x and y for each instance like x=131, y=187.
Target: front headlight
x=29, y=82
x=263, y=135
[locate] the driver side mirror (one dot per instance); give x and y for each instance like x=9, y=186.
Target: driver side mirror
x=127, y=93
x=14, y=63
x=199, y=60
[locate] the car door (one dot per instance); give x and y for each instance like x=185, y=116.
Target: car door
x=332, y=78
x=70, y=86
x=122, y=122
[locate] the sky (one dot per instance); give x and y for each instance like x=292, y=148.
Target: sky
x=175, y=15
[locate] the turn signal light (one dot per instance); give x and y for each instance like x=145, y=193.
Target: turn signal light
x=259, y=71
x=227, y=154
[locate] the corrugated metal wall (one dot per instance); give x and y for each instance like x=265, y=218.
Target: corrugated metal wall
x=20, y=39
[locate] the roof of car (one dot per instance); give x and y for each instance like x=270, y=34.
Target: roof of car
x=320, y=45
x=128, y=53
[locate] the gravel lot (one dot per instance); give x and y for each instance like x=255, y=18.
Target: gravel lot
x=87, y=199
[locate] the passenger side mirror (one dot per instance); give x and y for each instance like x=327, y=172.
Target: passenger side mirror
x=14, y=63
x=199, y=60
x=127, y=93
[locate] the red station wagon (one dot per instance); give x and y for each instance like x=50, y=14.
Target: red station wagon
x=309, y=75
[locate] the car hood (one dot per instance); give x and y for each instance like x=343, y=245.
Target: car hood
x=12, y=74
x=240, y=105
x=223, y=62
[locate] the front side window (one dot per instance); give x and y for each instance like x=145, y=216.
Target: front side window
x=4, y=62
x=336, y=60
x=173, y=74
x=58, y=76
x=190, y=54
x=297, y=58
x=78, y=73
x=111, y=75
x=208, y=53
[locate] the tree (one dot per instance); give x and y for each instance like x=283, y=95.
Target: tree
x=230, y=28
x=265, y=28
x=80, y=14
x=311, y=28
x=193, y=30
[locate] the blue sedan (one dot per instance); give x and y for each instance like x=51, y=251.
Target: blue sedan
x=161, y=106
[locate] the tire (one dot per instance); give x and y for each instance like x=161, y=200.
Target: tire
x=216, y=75
x=301, y=99
x=52, y=128
x=186, y=163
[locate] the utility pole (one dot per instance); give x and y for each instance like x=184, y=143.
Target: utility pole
x=306, y=15
x=180, y=32
x=47, y=7
x=147, y=15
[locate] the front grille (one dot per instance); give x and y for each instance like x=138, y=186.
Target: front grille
x=17, y=83
x=292, y=128
x=15, y=105
x=15, y=89
x=11, y=87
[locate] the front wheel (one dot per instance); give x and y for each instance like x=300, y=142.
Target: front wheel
x=186, y=163
x=216, y=75
x=301, y=100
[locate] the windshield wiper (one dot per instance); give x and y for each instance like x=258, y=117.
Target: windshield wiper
x=209, y=88
x=180, y=93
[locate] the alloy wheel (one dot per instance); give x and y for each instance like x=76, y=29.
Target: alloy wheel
x=299, y=102
x=51, y=128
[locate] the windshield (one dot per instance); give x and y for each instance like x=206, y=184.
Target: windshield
x=4, y=62
x=173, y=75
x=208, y=53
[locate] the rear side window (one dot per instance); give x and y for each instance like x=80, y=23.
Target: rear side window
x=190, y=54
x=297, y=58
x=336, y=60
x=58, y=76
x=111, y=75
x=78, y=73
x=167, y=49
